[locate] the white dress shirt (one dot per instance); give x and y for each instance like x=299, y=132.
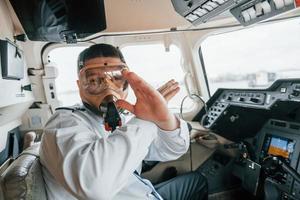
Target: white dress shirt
x=82, y=161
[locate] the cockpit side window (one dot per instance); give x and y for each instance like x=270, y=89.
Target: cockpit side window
x=253, y=57
x=65, y=59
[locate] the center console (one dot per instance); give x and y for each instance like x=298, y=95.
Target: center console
x=281, y=139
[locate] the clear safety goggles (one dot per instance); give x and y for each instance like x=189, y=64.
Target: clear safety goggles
x=99, y=78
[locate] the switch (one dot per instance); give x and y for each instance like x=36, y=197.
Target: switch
x=191, y=17
x=252, y=12
x=200, y=12
x=246, y=16
x=212, y=4
x=220, y=2
x=283, y=90
x=204, y=11
x=278, y=4
x=51, y=87
x=288, y=2
x=207, y=7
x=266, y=7
x=259, y=10
x=254, y=100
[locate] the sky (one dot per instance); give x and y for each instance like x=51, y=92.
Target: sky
x=269, y=47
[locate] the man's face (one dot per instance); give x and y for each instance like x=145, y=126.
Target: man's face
x=101, y=77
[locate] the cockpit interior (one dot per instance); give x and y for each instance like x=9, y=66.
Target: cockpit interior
x=236, y=61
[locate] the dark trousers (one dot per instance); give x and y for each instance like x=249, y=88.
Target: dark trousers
x=190, y=186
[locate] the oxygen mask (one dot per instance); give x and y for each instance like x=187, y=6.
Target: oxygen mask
x=96, y=79
x=106, y=82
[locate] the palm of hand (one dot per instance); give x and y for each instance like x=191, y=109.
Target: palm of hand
x=150, y=104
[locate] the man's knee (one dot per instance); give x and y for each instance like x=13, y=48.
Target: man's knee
x=200, y=181
x=199, y=187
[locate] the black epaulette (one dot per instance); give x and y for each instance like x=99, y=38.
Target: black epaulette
x=73, y=109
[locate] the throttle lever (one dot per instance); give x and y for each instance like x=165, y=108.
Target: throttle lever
x=274, y=162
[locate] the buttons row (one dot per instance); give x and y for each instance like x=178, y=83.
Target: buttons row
x=255, y=11
x=237, y=94
x=263, y=8
x=204, y=9
x=282, y=3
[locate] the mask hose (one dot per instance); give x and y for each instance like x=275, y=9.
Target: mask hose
x=112, y=117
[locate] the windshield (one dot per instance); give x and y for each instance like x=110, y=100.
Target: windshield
x=253, y=57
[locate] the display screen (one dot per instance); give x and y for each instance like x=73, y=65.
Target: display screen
x=281, y=147
x=11, y=60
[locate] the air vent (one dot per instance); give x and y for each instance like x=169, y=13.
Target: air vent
x=294, y=126
x=280, y=124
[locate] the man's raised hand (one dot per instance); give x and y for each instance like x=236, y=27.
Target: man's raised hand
x=150, y=104
x=169, y=89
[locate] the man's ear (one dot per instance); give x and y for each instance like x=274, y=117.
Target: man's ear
x=78, y=84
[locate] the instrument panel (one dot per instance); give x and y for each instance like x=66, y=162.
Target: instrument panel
x=269, y=121
x=240, y=113
x=280, y=139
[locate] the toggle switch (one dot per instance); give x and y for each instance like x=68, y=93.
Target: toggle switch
x=220, y=2
x=266, y=7
x=212, y=4
x=278, y=4
x=288, y=2
x=207, y=7
x=252, y=12
x=191, y=17
x=258, y=9
x=246, y=16
x=200, y=12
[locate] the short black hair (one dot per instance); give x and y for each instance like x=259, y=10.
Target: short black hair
x=98, y=50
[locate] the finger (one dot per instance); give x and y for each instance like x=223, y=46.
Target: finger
x=161, y=88
x=171, y=94
x=134, y=81
x=166, y=85
x=170, y=88
x=131, y=77
x=125, y=105
x=139, y=86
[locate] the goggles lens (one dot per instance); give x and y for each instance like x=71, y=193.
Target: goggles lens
x=95, y=80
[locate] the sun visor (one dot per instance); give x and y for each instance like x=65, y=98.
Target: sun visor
x=60, y=20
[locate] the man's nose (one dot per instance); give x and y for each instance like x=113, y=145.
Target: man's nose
x=107, y=81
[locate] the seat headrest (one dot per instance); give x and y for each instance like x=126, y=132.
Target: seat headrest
x=23, y=178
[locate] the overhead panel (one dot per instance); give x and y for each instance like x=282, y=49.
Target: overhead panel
x=200, y=11
x=253, y=11
x=247, y=12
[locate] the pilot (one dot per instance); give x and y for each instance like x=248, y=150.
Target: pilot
x=82, y=160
